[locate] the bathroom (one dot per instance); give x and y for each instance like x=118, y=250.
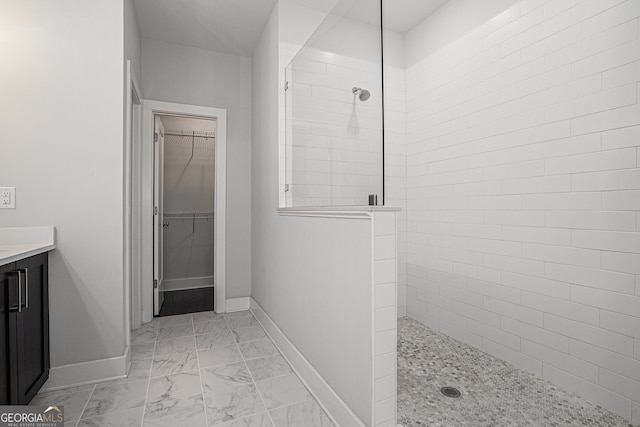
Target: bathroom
x=501, y=140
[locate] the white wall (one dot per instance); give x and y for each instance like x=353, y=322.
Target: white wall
x=290, y=255
x=62, y=146
x=336, y=139
x=187, y=75
x=132, y=44
x=303, y=22
x=329, y=67
x=452, y=21
x=321, y=99
x=132, y=41
x=523, y=193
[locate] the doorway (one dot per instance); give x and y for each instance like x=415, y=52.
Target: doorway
x=185, y=168
x=184, y=231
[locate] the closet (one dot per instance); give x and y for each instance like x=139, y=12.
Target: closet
x=188, y=169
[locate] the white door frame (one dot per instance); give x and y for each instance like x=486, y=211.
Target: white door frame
x=150, y=108
x=131, y=212
x=158, y=209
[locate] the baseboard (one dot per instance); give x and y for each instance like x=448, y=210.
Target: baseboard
x=88, y=372
x=187, y=283
x=238, y=304
x=333, y=405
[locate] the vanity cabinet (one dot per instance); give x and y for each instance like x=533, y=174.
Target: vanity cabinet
x=24, y=329
x=6, y=332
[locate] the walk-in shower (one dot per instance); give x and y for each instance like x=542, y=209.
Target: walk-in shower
x=334, y=139
x=511, y=144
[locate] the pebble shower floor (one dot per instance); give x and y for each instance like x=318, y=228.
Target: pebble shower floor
x=494, y=392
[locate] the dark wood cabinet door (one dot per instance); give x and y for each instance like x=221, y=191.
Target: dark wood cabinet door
x=32, y=340
x=8, y=359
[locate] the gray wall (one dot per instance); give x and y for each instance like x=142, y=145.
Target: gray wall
x=132, y=42
x=62, y=110
x=187, y=75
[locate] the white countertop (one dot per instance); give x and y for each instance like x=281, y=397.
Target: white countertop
x=17, y=243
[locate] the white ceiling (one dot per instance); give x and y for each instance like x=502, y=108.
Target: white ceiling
x=228, y=26
x=403, y=15
x=399, y=15
x=235, y=26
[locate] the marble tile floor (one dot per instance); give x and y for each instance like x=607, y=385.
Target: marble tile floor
x=196, y=370
x=494, y=392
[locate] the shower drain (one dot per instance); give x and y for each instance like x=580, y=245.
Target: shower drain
x=450, y=392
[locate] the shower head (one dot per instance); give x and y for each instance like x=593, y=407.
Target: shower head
x=362, y=94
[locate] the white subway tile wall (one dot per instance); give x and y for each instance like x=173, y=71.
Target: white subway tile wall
x=522, y=193
x=385, y=332
x=332, y=153
x=335, y=140
x=395, y=164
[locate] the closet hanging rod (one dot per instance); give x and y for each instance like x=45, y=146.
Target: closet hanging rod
x=189, y=215
x=193, y=216
x=193, y=137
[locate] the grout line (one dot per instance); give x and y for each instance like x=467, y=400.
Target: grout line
x=204, y=404
x=178, y=373
x=199, y=369
x=253, y=381
x=313, y=395
x=146, y=397
x=113, y=412
x=298, y=403
x=277, y=376
x=95, y=385
x=86, y=404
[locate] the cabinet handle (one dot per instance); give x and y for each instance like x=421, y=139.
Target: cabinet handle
x=26, y=287
x=19, y=292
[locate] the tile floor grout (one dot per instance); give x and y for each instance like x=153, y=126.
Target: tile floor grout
x=416, y=402
x=85, y=405
x=146, y=396
x=204, y=403
x=253, y=381
x=313, y=396
x=236, y=328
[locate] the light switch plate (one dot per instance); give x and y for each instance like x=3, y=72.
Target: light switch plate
x=7, y=197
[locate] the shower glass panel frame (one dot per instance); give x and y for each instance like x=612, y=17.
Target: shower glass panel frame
x=334, y=111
